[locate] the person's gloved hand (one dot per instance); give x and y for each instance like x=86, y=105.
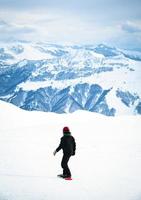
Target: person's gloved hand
x=54, y=153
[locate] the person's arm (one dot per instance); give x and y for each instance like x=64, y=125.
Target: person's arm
x=59, y=147
x=74, y=146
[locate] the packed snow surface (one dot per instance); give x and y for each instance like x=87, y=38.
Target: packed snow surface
x=107, y=164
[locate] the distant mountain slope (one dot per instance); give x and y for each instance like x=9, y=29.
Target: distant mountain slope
x=64, y=79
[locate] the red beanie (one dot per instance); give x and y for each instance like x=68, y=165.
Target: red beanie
x=66, y=129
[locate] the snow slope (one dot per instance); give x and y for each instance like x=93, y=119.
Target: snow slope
x=106, y=166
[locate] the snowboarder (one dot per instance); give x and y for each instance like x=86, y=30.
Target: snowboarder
x=68, y=145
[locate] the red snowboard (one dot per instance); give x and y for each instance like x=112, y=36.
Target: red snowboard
x=68, y=179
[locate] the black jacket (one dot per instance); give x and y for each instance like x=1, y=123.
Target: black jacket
x=68, y=145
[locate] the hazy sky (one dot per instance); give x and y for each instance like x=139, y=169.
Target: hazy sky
x=114, y=22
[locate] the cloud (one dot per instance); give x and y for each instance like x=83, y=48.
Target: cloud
x=131, y=27
x=15, y=31
x=3, y=23
x=101, y=10
x=63, y=27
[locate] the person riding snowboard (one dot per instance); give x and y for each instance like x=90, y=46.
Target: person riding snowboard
x=68, y=145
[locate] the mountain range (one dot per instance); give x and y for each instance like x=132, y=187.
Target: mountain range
x=63, y=79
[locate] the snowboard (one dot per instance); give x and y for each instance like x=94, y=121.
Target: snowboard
x=68, y=179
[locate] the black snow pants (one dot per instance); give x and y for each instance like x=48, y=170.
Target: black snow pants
x=64, y=164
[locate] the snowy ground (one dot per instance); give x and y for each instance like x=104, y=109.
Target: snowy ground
x=107, y=165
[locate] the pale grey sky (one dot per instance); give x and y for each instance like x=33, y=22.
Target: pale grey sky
x=115, y=22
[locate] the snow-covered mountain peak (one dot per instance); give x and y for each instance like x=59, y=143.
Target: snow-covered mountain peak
x=59, y=78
